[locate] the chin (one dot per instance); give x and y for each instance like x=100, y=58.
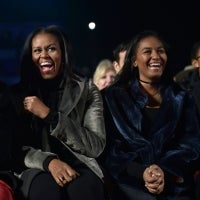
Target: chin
x=48, y=76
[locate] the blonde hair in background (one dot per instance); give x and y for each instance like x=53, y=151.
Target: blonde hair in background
x=104, y=66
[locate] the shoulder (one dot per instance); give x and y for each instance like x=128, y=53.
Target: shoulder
x=115, y=91
x=85, y=82
x=180, y=93
x=85, y=86
x=79, y=80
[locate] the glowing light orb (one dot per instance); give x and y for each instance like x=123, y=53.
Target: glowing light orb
x=92, y=25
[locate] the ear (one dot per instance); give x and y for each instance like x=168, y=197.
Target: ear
x=116, y=66
x=134, y=64
x=114, y=63
x=195, y=63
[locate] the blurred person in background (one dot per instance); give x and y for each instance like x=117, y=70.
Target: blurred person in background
x=190, y=79
x=119, y=54
x=191, y=82
x=104, y=74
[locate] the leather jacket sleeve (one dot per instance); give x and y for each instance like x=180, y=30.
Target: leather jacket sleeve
x=83, y=129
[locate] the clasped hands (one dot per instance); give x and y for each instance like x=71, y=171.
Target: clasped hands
x=154, y=179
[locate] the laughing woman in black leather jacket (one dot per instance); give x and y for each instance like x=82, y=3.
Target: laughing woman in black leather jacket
x=62, y=122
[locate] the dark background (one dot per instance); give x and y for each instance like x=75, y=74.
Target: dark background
x=116, y=21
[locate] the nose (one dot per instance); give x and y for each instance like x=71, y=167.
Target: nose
x=155, y=55
x=44, y=54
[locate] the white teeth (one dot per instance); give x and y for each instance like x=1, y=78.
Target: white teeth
x=45, y=63
x=154, y=64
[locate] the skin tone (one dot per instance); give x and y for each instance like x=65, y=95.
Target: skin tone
x=154, y=179
x=118, y=65
x=106, y=80
x=196, y=62
x=151, y=60
x=46, y=54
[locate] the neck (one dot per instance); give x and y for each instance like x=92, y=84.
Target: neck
x=150, y=88
x=149, y=83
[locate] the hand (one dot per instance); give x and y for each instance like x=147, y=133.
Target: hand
x=62, y=172
x=34, y=105
x=154, y=179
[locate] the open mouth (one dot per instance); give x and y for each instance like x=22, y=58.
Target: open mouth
x=46, y=67
x=155, y=66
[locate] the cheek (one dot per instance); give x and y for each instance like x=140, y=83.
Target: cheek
x=36, y=62
x=165, y=59
x=34, y=59
x=57, y=58
x=58, y=63
x=101, y=82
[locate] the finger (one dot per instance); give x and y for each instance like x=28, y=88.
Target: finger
x=59, y=182
x=63, y=181
x=159, y=190
x=153, y=191
x=152, y=186
x=152, y=180
x=61, y=178
x=161, y=187
x=67, y=178
x=157, y=173
x=74, y=175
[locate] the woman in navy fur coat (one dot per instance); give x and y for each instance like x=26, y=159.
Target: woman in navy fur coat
x=153, y=144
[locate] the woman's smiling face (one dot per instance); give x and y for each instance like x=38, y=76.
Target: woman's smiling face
x=150, y=59
x=46, y=54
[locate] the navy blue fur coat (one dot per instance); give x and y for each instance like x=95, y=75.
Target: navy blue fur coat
x=174, y=142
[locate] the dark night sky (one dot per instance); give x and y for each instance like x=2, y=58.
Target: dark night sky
x=116, y=21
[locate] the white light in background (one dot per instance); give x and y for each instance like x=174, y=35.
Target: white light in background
x=91, y=25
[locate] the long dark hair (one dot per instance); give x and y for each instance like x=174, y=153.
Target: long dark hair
x=130, y=73
x=29, y=73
